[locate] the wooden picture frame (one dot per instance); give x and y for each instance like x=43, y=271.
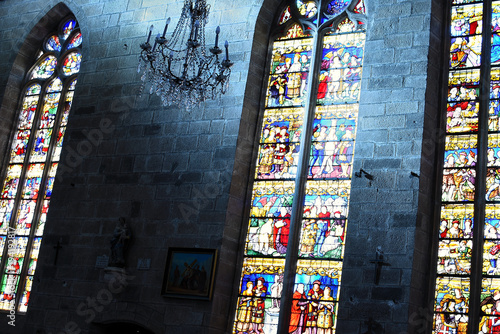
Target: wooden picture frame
x=190, y=273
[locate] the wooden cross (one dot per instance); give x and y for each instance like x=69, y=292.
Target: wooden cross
x=57, y=247
x=379, y=263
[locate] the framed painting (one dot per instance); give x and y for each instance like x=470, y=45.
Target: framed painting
x=189, y=273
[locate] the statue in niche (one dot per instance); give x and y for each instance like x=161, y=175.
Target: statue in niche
x=119, y=242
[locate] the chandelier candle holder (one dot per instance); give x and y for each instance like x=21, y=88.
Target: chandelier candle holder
x=180, y=70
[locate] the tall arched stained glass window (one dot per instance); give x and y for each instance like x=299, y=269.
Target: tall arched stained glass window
x=34, y=156
x=300, y=197
x=467, y=295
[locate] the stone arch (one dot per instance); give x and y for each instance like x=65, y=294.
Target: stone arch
x=230, y=259
x=22, y=60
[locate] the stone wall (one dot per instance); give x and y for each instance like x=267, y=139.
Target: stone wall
x=394, y=210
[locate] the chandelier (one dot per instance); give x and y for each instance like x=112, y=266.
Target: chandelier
x=180, y=70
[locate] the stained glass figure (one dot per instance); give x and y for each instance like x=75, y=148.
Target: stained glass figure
x=326, y=181
x=315, y=296
x=67, y=108
x=493, y=152
x=49, y=111
x=26, y=209
x=454, y=257
x=494, y=110
x=461, y=157
x=495, y=29
x=270, y=218
x=71, y=64
x=331, y=195
x=50, y=180
x=6, y=208
x=452, y=297
x=466, y=20
x=289, y=70
x=11, y=181
x=458, y=184
x=41, y=147
x=307, y=8
x=25, y=216
x=463, y=213
x=271, y=198
x=68, y=28
x=463, y=86
x=337, y=6
x=14, y=265
x=43, y=218
x=72, y=85
x=262, y=279
x=18, y=150
x=279, y=144
x=17, y=253
x=34, y=255
x=2, y=245
x=53, y=44
x=23, y=304
x=340, y=74
x=333, y=142
x=324, y=235
x=493, y=184
x=32, y=181
x=461, y=151
x=8, y=291
x=465, y=51
x=45, y=68
x=75, y=42
x=462, y=117
x=28, y=110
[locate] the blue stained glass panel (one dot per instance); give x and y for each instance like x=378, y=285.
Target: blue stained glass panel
x=272, y=198
x=41, y=147
x=337, y=6
x=495, y=37
x=68, y=28
x=53, y=44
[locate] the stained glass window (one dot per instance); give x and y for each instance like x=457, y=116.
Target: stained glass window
x=309, y=146
x=35, y=152
x=467, y=294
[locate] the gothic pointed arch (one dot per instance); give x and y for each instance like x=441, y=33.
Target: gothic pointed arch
x=466, y=282
x=37, y=102
x=297, y=204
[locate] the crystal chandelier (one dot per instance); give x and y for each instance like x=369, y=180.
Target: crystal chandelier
x=179, y=69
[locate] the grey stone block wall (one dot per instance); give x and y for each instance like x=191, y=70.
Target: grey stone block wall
x=181, y=178
x=394, y=210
